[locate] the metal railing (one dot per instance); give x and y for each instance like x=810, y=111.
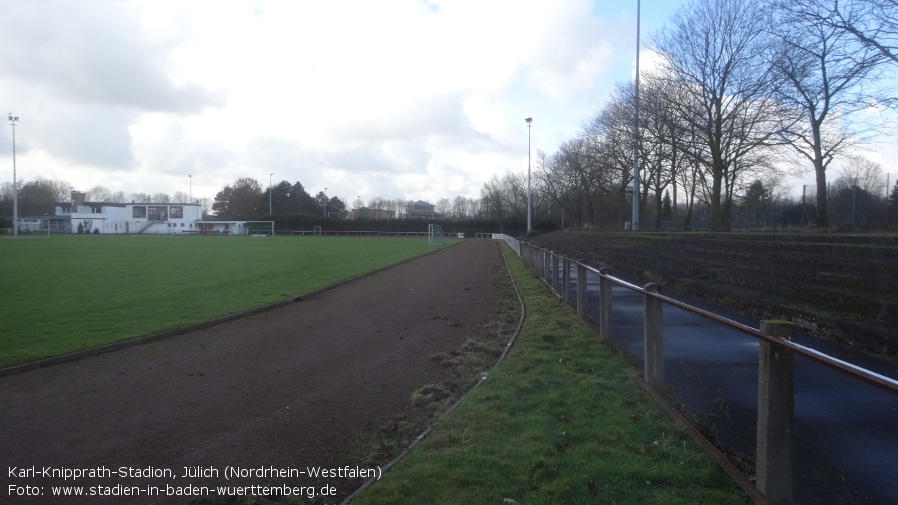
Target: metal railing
x=774, y=440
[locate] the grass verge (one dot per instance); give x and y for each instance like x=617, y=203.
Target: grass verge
x=74, y=292
x=560, y=420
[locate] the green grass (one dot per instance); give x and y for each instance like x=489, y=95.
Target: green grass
x=67, y=293
x=560, y=420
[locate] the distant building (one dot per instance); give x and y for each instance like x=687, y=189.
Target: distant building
x=422, y=210
x=135, y=218
x=366, y=213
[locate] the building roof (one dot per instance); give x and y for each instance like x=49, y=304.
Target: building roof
x=119, y=204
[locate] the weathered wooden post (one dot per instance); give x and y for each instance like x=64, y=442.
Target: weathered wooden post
x=776, y=388
x=605, y=327
x=653, y=338
x=582, y=308
x=566, y=280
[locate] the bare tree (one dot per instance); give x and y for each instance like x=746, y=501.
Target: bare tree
x=714, y=51
x=873, y=23
x=161, y=198
x=444, y=207
x=206, y=203
x=181, y=197
x=609, y=137
x=461, y=207
x=828, y=78
x=98, y=194
x=865, y=174
x=491, y=198
x=571, y=181
x=39, y=197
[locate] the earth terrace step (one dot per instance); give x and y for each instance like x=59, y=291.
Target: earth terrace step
x=676, y=266
x=849, y=301
x=877, y=250
x=852, y=303
x=851, y=262
x=885, y=281
x=872, y=336
x=877, y=239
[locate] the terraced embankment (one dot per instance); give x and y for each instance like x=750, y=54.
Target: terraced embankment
x=841, y=286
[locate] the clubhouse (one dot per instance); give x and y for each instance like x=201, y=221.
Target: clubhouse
x=81, y=216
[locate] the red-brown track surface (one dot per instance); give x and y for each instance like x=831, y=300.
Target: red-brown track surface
x=292, y=387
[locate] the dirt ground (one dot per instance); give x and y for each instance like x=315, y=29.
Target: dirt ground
x=290, y=388
x=844, y=287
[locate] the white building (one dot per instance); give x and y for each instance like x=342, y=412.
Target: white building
x=136, y=218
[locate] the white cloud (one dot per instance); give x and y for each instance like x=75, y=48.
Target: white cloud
x=398, y=98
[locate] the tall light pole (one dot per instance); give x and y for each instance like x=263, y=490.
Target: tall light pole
x=325, y=202
x=269, y=193
x=15, y=185
x=529, y=193
x=635, y=224
x=190, y=182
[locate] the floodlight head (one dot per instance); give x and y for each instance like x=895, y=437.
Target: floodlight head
x=529, y=119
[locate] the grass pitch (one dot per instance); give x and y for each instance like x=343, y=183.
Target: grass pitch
x=74, y=292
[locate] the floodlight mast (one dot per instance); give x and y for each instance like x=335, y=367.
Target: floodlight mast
x=529, y=193
x=15, y=186
x=635, y=224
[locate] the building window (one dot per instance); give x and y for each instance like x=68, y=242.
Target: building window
x=139, y=212
x=176, y=212
x=157, y=213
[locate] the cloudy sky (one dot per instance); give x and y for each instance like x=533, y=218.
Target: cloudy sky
x=412, y=99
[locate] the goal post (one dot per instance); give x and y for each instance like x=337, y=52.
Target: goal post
x=28, y=227
x=435, y=235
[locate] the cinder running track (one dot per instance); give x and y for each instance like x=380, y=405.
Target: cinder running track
x=288, y=388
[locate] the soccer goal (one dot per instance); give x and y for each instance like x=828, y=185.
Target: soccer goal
x=28, y=227
x=435, y=235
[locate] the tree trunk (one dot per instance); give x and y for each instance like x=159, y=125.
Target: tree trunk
x=717, y=219
x=820, y=171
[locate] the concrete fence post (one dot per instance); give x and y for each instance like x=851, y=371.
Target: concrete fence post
x=555, y=261
x=582, y=308
x=653, y=338
x=775, y=410
x=605, y=326
x=541, y=263
x=566, y=280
